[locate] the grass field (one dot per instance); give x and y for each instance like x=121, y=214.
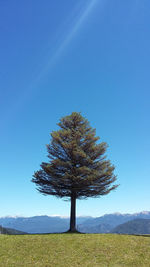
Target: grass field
x=74, y=250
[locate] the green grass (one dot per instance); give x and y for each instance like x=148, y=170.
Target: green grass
x=74, y=250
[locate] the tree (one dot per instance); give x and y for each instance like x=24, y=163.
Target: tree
x=77, y=166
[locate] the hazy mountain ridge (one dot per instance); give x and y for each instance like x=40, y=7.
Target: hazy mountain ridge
x=39, y=224
x=86, y=224
x=110, y=221
x=137, y=226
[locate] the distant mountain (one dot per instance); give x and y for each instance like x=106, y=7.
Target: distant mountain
x=108, y=222
x=137, y=226
x=51, y=224
x=10, y=231
x=36, y=224
x=39, y=224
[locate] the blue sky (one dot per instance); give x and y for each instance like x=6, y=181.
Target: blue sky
x=89, y=56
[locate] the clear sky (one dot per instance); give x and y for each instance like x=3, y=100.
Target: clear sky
x=91, y=56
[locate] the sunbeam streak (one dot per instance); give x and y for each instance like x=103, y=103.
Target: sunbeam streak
x=76, y=23
x=69, y=31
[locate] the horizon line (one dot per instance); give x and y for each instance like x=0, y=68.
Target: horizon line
x=78, y=216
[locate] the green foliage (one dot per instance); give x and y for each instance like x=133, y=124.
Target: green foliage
x=65, y=250
x=77, y=164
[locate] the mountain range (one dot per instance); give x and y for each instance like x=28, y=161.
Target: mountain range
x=39, y=224
x=108, y=222
x=55, y=224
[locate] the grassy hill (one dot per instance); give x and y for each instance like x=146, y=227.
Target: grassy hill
x=74, y=250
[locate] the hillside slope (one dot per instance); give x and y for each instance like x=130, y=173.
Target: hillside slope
x=9, y=231
x=137, y=226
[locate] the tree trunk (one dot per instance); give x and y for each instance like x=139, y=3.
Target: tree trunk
x=73, y=214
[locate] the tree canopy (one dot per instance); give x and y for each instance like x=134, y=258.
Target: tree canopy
x=77, y=166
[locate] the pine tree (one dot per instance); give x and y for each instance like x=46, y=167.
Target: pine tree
x=77, y=166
